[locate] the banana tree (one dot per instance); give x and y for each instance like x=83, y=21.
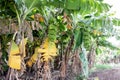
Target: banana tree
x=72, y=29
x=91, y=27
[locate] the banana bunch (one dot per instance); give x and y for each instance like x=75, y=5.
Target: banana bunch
x=52, y=31
x=87, y=39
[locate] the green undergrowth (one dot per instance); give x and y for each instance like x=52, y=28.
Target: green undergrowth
x=98, y=67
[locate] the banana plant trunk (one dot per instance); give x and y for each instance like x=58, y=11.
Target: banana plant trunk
x=91, y=57
x=0, y=49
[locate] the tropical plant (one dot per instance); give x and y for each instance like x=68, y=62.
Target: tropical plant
x=60, y=35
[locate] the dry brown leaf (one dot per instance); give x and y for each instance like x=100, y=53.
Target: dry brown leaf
x=22, y=47
x=69, y=26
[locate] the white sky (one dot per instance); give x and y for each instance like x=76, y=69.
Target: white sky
x=114, y=41
x=115, y=7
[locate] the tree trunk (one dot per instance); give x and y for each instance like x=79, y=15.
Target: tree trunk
x=0, y=50
x=91, y=57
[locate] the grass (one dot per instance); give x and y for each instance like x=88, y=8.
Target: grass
x=103, y=67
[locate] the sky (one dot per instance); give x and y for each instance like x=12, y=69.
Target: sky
x=115, y=7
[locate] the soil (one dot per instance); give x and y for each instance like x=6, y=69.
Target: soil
x=109, y=74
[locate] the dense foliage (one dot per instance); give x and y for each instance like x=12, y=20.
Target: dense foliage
x=47, y=37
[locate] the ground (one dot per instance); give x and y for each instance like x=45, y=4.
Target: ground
x=108, y=74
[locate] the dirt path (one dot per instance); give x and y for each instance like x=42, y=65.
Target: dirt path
x=110, y=74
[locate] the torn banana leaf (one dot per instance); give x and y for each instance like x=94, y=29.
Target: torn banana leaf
x=34, y=57
x=14, y=60
x=47, y=50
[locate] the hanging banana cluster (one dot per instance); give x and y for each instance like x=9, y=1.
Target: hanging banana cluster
x=48, y=49
x=87, y=39
x=52, y=31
